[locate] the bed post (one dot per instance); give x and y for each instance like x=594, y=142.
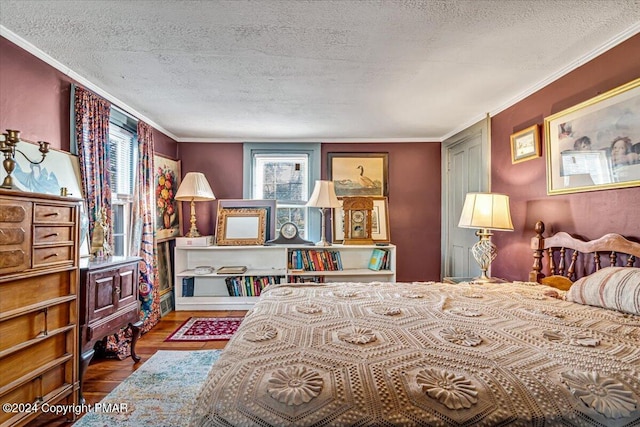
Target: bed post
x=537, y=244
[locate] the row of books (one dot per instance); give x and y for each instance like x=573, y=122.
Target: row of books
x=380, y=260
x=314, y=260
x=249, y=286
x=306, y=279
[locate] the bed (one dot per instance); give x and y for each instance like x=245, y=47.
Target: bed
x=426, y=353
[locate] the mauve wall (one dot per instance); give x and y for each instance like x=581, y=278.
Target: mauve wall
x=35, y=99
x=414, y=195
x=589, y=214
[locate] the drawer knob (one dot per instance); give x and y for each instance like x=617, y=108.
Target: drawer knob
x=51, y=256
x=116, y=290
x=52, y=235
x=52, y=214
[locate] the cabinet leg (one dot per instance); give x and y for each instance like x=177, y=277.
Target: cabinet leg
x=85, y=358
x=135, y=334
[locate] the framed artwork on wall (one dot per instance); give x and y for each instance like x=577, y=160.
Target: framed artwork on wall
x=241, y=226
x=595, y=145
x=380, y=231
x=359, y=174
x=168, y=209
x=525, y=145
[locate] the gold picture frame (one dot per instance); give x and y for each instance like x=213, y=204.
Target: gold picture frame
x=595, y=145
x=525, y=144
x=237, y=227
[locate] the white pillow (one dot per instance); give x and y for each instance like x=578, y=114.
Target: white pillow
x=615, y=288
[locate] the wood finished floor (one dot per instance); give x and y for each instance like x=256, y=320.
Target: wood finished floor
x=103, y=375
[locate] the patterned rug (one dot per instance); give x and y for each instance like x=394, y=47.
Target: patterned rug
x=206, y=329
x=160, y=393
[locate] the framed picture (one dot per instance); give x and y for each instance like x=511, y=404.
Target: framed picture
x=168, y=210
x=380, y=231
x=58, y=169
x=359, y=174
x=165, y=277
x=268, y=205
x=525, y=145
x=241, y=226
x=595, y=145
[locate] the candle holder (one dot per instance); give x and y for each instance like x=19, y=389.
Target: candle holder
x=8, y=148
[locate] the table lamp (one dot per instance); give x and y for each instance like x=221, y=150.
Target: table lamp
x=485, y=211
x=323, y=197
x=194, y=188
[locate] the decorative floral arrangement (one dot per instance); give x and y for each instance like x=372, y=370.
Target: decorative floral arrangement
x=165, y=193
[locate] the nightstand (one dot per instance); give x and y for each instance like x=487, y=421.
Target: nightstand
x=454, y=280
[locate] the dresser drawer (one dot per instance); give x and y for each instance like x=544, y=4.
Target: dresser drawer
x=21, y=366
x=52, y=214
x=53, y=255
x=59, y=234
x=51, y=384
x=35, y=324
x=26, y=292
x=15, y=236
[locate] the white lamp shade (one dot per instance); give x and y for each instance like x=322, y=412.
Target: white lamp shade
x=324, y=195
x=195, y=187
x=486, y=210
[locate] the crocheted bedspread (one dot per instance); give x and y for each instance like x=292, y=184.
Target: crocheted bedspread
x=382, y=354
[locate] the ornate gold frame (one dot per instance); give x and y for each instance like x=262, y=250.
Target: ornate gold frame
x=235, y=227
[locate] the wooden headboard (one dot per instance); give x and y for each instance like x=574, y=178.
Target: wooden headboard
x=569, y=258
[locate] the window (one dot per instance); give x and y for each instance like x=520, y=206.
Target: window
x=286, y=173
x=123, y=155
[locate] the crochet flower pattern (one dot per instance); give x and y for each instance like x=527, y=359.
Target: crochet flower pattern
x=604, y=394
x=294, y=385
x=453, y=391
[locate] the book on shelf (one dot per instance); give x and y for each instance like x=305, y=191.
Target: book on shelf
x=187, y=286
x=377, y=260
x=249, y=286
x=314, y=260
x=232, y=269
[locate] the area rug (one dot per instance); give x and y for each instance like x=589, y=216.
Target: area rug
x=206, y=329
x=160, y=393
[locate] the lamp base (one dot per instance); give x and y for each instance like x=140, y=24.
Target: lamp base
x=484, y=251
x=193, y=231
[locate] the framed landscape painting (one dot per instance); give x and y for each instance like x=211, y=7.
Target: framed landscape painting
x=595, y=145
x=168, y=210
x=359, y=174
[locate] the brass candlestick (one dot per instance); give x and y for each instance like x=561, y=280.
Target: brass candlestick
x=8, y=148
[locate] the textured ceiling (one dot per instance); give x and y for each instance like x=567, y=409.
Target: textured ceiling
x=318, y=70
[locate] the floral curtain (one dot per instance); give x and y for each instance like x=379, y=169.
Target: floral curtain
x=144, y=210
x=92, y=136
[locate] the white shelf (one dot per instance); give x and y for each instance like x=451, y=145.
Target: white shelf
x=210, y=290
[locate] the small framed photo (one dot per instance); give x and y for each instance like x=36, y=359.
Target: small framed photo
x=525, y=145
x=380, y=231
x=241, y=226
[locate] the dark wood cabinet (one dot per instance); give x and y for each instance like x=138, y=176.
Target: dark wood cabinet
x=108, y=303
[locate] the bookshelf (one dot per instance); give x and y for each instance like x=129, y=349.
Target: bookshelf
x=211, y=291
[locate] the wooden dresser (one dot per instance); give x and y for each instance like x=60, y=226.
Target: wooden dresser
x=108, y=303
x=38, y=303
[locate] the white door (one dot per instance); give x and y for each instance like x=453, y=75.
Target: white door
x=466, y=169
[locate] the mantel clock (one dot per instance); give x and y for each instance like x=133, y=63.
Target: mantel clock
x=357, y=220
